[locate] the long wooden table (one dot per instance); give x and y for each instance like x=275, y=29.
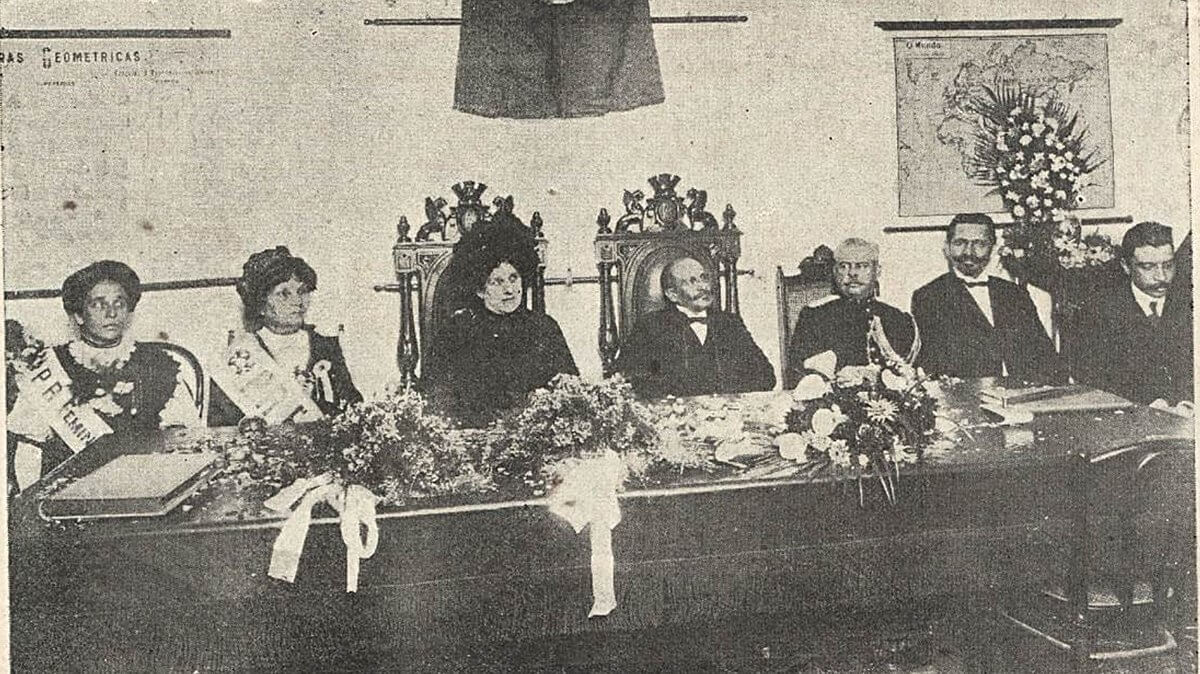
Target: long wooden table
x=191, y=587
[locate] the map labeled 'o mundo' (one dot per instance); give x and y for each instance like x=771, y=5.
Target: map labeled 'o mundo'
x=938, y=79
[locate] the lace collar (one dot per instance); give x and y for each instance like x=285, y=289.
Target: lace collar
x=101, y=359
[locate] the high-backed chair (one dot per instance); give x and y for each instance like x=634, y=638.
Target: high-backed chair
x=1132, y=558
x=795, y=291
x=421, y=260
x=631, y=254
x=191, y=375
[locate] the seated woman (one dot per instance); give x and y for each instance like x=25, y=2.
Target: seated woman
x=279, y=368
x=491, y=351
x=111, y=382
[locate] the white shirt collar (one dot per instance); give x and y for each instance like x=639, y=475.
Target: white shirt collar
x=1143, y=300
x=967, y=279
x=692, y=314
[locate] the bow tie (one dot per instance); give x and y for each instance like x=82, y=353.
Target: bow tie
x=698, y=319
x=975, y=284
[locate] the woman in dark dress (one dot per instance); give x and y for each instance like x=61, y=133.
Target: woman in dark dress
x=130, y=386
x=275, y=289
x=491, y=351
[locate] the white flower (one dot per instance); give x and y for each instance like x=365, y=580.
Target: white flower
x=1012, y=196
x=1037, y=129
x=863, y=460
x=824, y=363
x=1015, y=111
x=881, y=410
x=824, y=422
x=791, y=446
x=1060, y=195
x=1068, y=155
x=123, y=387
x=1018, y=211
x=1031, y=200
x=811, y=387
x=1019, y=253
x=1026, y=139
x=1052, y=122
x=1047, y=202
x=894, y=381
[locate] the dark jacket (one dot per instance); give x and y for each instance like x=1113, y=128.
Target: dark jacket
x=840, y=324
x=663, y=356
x=223, y=412
x=1127, y=353
x=957, y=340
x=490, y=362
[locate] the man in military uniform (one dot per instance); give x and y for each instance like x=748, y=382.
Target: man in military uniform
x=845, y=324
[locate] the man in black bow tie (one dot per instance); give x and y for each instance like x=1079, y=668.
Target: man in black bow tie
x=975, y=325
x=843, y=322
x=689, y=348
x=1137, y=338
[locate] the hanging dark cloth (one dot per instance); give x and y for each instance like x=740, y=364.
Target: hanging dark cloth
x=528, y=59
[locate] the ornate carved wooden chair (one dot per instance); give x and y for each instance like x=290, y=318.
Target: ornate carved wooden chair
x=631, y=254
x=191, y=375
x=1132, y=558
x=420, y=262
x=794, y=292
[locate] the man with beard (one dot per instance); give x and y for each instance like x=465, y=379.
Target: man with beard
x=1137, y=340
x=975, y=325
x=845, y=322
x=688, y=348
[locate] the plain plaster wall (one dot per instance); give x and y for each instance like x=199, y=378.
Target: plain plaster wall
x=318, y=132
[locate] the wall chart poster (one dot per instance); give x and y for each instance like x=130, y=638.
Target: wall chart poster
x=939, y=78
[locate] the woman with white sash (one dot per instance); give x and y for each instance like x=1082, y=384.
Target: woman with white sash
x=279, y=368
x=101, y=382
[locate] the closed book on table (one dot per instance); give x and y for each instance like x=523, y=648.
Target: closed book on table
x=132, y=485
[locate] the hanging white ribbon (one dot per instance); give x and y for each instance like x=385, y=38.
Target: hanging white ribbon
x=355, y=504
x=587, y=497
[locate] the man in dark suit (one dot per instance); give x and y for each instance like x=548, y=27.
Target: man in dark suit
x=975, y=325
x=843, y=322
x=690, y=349
x=1137, y=340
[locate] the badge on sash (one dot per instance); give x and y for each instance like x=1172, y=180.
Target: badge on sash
x=260, y=388
x=48, y=389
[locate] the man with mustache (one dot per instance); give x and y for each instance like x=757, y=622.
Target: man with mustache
x=1137, y=339
x=688, y=348
x=842, y=322
x=975, y=325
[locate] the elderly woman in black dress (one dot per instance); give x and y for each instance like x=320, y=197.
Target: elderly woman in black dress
x=491, y=351
x=276, y=288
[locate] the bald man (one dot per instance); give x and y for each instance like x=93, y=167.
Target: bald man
x=841, y=322
x=689, y=348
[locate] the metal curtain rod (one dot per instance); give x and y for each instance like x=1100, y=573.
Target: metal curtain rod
x=1083, y=222
x=454, y=20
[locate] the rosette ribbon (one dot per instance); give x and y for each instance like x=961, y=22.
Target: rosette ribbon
x=587, y=497
x=355, y=504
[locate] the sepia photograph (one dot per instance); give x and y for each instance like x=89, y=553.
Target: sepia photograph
x=598, y=336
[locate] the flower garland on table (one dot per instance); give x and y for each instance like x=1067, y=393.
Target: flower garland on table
x=866, y=421
x=1032, y=151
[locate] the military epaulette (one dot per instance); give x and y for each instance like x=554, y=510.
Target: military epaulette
x=822, y=301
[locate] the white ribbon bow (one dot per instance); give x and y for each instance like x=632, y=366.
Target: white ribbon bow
x=588, y=497
x=355, y=504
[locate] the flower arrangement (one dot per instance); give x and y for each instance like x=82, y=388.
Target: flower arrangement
x=1032, y=151
x=568, y=420
x=393, y=447
x=866, y=420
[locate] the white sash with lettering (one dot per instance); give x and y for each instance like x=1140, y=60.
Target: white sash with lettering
x=259, y=387
x=47, y=388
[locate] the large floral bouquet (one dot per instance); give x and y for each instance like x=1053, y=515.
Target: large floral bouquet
x=393, y=447
x=567, y=421
x=865, y=420
x=1033, y=151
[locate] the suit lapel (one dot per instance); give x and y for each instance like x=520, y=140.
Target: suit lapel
x=971, y=311
x=691, y=341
